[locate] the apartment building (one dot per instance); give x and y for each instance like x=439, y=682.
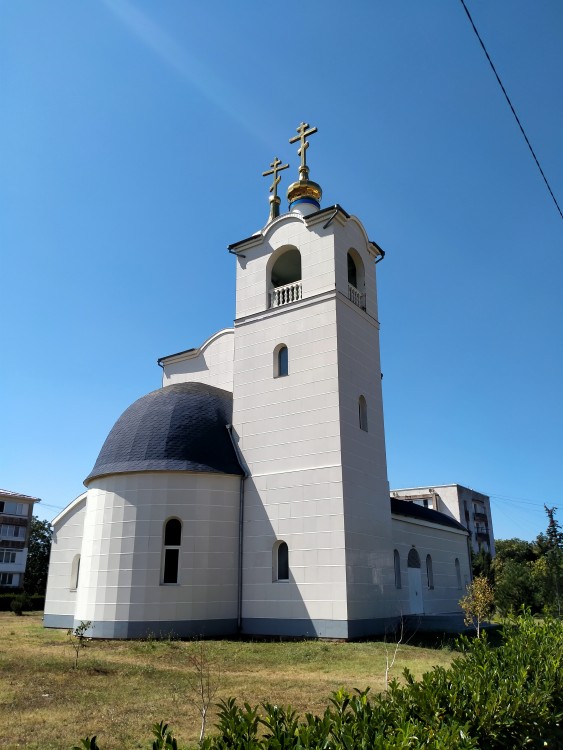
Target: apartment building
x=471, y=508
x=16, y=511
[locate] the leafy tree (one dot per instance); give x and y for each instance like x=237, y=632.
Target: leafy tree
x=515, y=549
x=481, y=562
x=515, y=586
x=35, y=580
x=552, y=544
x=479, y=603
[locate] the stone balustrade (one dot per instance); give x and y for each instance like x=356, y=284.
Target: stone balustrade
x=283, y=295
x=356, y=296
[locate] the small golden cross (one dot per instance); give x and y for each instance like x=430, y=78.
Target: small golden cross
x=274, y=199
x=274, y=170
x=302, y=150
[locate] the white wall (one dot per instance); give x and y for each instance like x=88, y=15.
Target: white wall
x=444, y=545
x=288, y=433
x=211, y=363
x=316, y=483
x=68, y=529
x=120, y=577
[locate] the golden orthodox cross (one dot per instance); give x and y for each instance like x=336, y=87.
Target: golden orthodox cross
x=274, y=170
x=274, y=199
x=303, y=131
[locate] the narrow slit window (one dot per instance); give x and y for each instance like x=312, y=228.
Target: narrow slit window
x=429, y=572
x=363, y=413
x=281, y=562
x=281, y=361
x=458, y=573
x=397, y=564
x=75, y=573
x=172, y=543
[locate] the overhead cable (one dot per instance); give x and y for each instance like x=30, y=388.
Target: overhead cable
x=512, y=108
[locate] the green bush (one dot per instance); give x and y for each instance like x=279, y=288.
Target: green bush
x=20, y=603
x=17, y=606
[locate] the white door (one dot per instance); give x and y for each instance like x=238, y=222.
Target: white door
x=415, y=591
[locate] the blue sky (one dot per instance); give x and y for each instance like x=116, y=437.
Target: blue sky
x=134, y=135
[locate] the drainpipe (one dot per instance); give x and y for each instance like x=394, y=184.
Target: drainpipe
x=244, y=476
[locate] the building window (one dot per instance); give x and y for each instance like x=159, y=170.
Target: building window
x=12, y=532
x=280, y=562
x=281, y=361
x=75, y=573
x=397, y=564
x=458, y=573
x=363, y=413
x=429, y=572
x=172, y=542
x=7, y=556
x=9, y=579
x=13, y=509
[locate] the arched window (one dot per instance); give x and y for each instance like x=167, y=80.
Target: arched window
x=413, y=560
x=280, y=562
x=75, y=573
x=281, y=361
x=458, y=573
x=285, y=278
x=171, y=557
x=429, y=572
x=363, y=413
x=397, y=564
x=356, y=279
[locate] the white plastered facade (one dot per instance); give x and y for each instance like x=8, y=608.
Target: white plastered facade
x=316, y=475
x=211, y=363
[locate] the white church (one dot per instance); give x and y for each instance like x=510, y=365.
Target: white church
x=249, y=495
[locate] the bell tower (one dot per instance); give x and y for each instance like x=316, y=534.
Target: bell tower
x=308, y=417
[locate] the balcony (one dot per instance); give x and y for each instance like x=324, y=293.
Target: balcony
x=283, y=295
x=480, y=516
x=356, y=296
x=482, y=535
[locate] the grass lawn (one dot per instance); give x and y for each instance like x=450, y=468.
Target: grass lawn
x=121, y=688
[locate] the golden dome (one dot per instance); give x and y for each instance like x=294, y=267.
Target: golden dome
x=304, y=191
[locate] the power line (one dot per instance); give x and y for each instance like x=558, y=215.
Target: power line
x=512, y=108
x=519, y=500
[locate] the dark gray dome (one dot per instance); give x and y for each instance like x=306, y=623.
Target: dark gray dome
x=180, y=427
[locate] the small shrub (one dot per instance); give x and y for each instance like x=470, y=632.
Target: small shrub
x=17, y=606
x=20, y=603
x=77, y=638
